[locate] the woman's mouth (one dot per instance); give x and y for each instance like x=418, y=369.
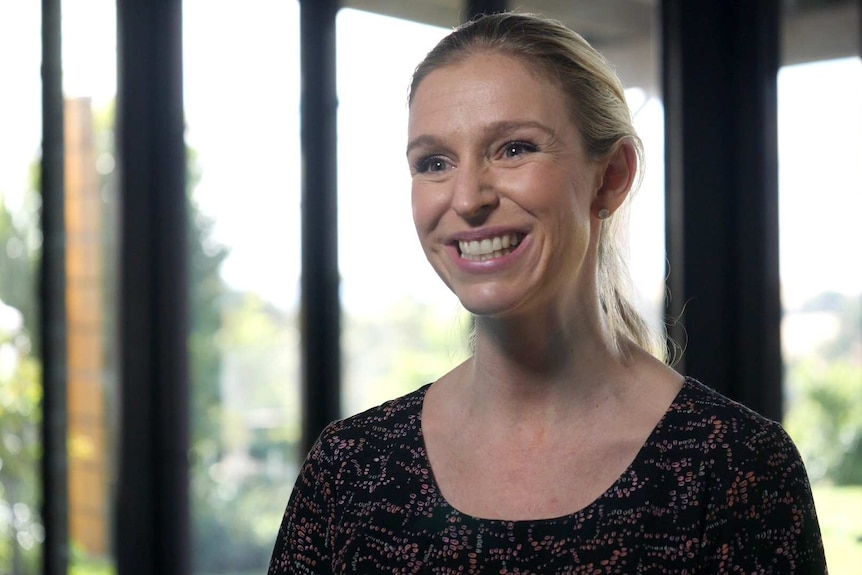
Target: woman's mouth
x=489, y=248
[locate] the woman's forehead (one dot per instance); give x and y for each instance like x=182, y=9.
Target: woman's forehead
x=474, y=61
x=490, y=88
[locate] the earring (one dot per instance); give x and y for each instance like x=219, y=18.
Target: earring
x=604, y=213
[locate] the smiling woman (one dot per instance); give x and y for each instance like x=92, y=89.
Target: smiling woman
x=562, y=445
x=494, y=155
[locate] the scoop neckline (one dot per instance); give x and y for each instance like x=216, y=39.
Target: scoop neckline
x=687, y=384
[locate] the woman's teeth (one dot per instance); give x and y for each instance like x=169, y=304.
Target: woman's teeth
x=489, y=248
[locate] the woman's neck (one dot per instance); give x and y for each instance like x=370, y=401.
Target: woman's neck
x=540, y=363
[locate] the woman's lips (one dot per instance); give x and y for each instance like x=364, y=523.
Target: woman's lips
x=489, y=248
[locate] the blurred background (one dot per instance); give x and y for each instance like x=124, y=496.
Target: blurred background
x=400, y=327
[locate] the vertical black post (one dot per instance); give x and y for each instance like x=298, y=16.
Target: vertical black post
x=476, y=7
x=321, y=313
x=720, y=63
x=52, y=291
x=152, y=511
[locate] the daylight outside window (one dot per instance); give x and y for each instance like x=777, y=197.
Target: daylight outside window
x=820, y=178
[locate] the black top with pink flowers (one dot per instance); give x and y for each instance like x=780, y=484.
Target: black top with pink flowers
x=715, y=489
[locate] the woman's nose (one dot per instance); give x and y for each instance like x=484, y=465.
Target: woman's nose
x=474, y=193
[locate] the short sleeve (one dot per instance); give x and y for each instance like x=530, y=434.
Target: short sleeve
x=761, y=516
x=303, y=543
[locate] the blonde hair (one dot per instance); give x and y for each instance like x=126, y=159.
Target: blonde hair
x=600, y=110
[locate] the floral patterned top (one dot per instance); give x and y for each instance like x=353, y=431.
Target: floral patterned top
x=716, y=488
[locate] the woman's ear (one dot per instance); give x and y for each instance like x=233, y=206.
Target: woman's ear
x=618, y=177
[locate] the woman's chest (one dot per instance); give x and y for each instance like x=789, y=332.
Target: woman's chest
x=644, y=525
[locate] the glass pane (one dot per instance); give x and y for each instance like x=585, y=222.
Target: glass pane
x=402, y=326
x=241, y=84
x=89, y=89
x=21, y=530
x=820, y=148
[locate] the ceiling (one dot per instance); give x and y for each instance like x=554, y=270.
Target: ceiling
x=602, y=22
x=812, y=29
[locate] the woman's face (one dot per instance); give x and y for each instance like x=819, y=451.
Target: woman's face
x=504, y=193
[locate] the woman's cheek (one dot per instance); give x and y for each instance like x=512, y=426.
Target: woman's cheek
x=429, y=205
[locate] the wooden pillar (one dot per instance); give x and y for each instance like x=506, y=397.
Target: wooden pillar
x=88, y=446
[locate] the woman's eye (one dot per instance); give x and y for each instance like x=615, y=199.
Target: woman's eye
x=515, y=149
x=432, y=165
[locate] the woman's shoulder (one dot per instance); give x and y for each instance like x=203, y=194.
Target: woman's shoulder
x=758, y=509
x=386, y=424
x=703, y=419
x=698, y=402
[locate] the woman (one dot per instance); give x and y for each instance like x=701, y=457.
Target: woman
x=562, y=445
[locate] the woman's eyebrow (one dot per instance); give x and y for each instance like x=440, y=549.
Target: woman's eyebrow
x=423, y=140
x=503, y=126
x=494, y=129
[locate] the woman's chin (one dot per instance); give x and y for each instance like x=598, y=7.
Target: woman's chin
x=491, y=305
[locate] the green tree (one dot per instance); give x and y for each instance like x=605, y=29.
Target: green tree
x=825, y=416
x=20, y=396
x=206, y=292
x=393, y=353
x=20, y=391
x=826, y=422
x=20, y=383
x=20, y=251
x=240, y=498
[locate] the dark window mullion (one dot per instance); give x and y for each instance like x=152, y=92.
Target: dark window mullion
x=52, y=295
x=152, y=511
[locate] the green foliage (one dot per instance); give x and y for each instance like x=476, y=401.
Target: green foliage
x=239, y=497
x=21, y=530
x=838, y=512
x=81, y=563
x=826, y=420
x=261, y=346
x=393, y=353
x=207, y=290
x=825, y=392
x=20, y=249
x=235, y=521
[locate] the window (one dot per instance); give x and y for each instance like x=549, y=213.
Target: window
x=21, y=530
x=820, y=178
x=402, y=326
x=241, y=89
